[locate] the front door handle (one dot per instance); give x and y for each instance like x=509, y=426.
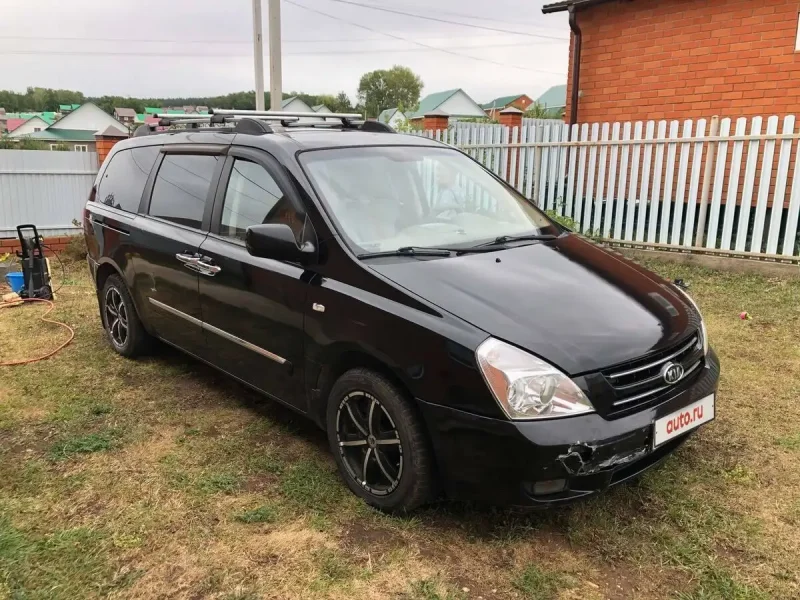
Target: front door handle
x=187, y=258
x=206, y=267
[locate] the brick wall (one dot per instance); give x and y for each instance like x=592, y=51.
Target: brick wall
x=670, y=59
x=57, y=244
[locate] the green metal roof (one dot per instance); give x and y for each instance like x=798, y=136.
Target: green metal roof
x=176, y=111
x=65, y=107
x=63, y=135
x=432, y=101
x=501, y=102
x=141, y=117
x=555, y=97
x=151, y=111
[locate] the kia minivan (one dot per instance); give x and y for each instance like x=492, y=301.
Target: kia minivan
x=450, y=338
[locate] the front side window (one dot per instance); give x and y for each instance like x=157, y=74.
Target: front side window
x=385, y=198
x=81, y=148
x=125, y=177
x=181, y=188
x=254, y=198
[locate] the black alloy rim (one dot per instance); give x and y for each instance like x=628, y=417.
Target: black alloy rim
x=116, y=317
x=369, y=444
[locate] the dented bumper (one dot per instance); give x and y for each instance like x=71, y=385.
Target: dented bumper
x=499, y=461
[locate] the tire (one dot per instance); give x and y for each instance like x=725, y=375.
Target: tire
x=392, y=442
x=119, y=316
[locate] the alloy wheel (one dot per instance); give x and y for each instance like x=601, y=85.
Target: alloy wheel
x=369, y=443
x=116, y=317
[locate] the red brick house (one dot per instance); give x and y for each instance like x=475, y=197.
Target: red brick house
x=671, y=59
x=520, y=101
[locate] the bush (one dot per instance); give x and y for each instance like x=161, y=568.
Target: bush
x=76, y=249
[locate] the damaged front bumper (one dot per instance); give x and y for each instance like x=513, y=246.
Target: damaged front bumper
x=501, y=462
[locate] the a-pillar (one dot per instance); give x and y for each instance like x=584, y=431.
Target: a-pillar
x=512, y=117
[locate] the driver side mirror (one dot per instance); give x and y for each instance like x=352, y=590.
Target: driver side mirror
x=277, y=241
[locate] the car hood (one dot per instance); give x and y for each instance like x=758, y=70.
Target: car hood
x=574, y=304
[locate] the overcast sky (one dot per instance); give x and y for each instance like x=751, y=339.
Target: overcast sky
x=204, y=47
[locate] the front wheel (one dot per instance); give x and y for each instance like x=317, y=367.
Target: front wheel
x=378, y=442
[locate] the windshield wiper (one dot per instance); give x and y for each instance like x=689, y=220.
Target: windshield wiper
x=504, y=239
x=408, y=251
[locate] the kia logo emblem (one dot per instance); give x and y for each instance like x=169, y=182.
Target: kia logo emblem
x=671, y=373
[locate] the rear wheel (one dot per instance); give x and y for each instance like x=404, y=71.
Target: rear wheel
x=378, y=442
x=122, y=324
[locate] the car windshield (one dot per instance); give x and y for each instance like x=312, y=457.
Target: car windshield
x=385, y=198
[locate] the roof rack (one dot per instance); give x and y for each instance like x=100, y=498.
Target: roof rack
x=254, y=122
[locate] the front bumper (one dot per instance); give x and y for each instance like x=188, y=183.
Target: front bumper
x=499, y=461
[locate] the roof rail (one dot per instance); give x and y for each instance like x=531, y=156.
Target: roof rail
x=281, y=114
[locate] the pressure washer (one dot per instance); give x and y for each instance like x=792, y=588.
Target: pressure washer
x=35, y=266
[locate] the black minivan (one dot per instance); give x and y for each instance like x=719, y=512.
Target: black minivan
x=449, y=337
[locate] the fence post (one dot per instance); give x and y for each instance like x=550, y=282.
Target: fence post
x=709, y=168
x=537, y=161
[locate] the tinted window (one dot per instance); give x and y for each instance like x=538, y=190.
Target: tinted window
x=181, y=187
x=253, y=198
x=126, y=176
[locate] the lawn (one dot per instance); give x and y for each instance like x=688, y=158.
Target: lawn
x=161, y=478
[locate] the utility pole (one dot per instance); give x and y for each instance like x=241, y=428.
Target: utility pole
x=275, y=91
x=258, y=54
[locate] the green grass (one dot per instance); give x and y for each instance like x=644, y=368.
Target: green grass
x=535, y=583
x=82, y=444
x=263, y=514
x=433, y=589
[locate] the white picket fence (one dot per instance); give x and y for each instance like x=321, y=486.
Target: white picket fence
x=712, y=183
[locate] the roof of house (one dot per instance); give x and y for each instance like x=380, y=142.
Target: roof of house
x=141, y=117
x=68, y=135
x=125, y=112
x=151, y=111
x=432, y=101
x=555, y=97
x=12, y=124
x=63, y=107
x=565, y=4
x=501, y=102
x=386, y=115
x=286, y=101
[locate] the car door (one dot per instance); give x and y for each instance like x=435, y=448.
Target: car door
x=253, y=307
x=177, y=211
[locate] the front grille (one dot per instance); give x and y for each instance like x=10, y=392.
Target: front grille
x=640, y=381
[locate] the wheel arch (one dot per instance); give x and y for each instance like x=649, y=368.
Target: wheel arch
x=341, y=360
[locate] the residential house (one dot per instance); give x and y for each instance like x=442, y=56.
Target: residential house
x=674, y=59
x=67, y=108
x=520, y=101
x=295, y=104
x=321, y=108
x=451, y=103
x=392, y=117
x=19, y=127
x=126, y=116
x=554, y=101
x=77, y=129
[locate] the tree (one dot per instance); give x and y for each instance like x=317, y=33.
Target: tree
x=342, y=103
x=382, y=89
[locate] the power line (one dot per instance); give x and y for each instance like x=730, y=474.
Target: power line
x=173, y=41
x=215, y=55
x=464, y=16
x=397, y=37
x=482, y=27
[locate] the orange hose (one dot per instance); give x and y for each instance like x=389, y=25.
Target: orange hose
x=46, y=320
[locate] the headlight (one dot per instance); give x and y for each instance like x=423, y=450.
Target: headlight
x=703, y=332
x=527, y=387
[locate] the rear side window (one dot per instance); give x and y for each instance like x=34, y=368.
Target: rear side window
x=181, y=188
x=126, y=176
